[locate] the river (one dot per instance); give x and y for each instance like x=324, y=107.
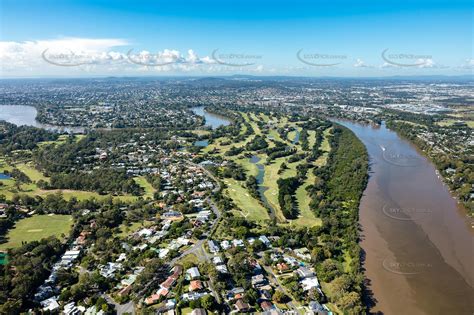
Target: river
x=22, y=115
x=417, y=240
x=418, y=243
x=212, y=120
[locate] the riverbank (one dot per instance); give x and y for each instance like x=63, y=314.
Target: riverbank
x=439, y=160
x=414, y=235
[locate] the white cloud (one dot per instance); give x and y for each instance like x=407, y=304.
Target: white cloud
x=468, y=64
x=361, y=64
x=39, y=56
x=68, y=55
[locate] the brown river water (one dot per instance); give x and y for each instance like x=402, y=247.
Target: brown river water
x=418, y=242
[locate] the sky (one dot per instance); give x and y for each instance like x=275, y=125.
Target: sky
x=364, y=38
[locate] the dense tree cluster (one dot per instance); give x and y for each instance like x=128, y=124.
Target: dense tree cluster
x=335, y=198
x=233, y=170
x=14, y=137
x=32, y=263
x=257, y=143
x=252, y=185
x=101, y=181
x=286, y=190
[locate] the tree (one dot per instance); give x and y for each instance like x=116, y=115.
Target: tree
x=328, y=270
x=209, y=302
x=339, y=286
x=317, y=255
x=280, y=297
x=350, y=303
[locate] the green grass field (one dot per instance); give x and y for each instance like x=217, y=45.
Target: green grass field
x=311, y=138
x=270, y=181
x=149, y=190
x=200, y=132
x=31, y=172
x=449, y=122
x=251, y=209
x=61, y=139
x=250, y=168
x=306, y=217
x=325, y=147
x=36, y=228
x=264, y=117
x=8, y=187
x=125, y=230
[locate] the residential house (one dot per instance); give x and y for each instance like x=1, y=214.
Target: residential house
x=193, y=273
x=195, y=285
x=242, y=306
x=309, y=283
x=213, y=246
x=266, y=305
x=199, y=311
x=304, y=272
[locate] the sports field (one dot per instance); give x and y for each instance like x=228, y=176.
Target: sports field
x=37, y=227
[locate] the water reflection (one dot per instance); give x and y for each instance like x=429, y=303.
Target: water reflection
x=23, y=115
x=212, y=120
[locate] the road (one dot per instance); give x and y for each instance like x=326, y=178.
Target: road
x=273, y=278
x=197, y=248
x=216, y=181
x=120, y=308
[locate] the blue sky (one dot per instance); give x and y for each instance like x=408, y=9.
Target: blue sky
x=340, y=38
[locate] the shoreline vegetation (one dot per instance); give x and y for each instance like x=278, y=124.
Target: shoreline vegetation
x=335, y=193
x=305, y=192
x=443, y=163
x=432, y=137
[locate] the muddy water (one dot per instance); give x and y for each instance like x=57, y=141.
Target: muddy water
x=417, y=240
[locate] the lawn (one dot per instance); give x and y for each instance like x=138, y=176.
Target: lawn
x=449, y=122
x=149, y=190
x=306, y=217
x=126, y=230
x=275, y=135
x=186, y=310
x=250, y=168
x=311, y=138
x=61, y=139
x=31, y=172
x=264, y=117
x=36, y=228
x=270, y=181
x=200, y=132
x=4, y=166
x=189, y=260
x=8, y=189
x=291, y=135
x=251, y=209
x=325, y=147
